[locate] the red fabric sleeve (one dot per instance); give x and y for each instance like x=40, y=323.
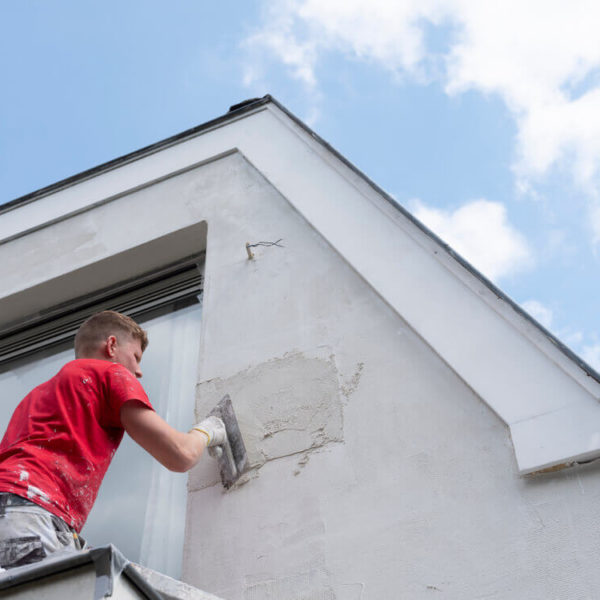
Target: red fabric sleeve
x=120, y=386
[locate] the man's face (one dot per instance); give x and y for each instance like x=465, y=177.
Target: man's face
x=127, y=351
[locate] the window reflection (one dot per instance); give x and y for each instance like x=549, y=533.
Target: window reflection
x=141, y=505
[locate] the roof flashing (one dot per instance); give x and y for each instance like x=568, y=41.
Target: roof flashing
x=109, y=565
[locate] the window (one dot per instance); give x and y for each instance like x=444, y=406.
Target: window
x=141, y=505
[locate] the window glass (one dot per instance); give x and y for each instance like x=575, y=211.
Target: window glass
x=141, y=505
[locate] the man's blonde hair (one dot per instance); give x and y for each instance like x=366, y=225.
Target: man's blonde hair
x=98, y=327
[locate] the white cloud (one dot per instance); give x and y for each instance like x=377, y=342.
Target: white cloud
x=574, y=339
x=542, y=57
x=541, y=313
x=595, y=222
x=480, y=232
x=591, y=355
x=536, y=55
x=278, y=37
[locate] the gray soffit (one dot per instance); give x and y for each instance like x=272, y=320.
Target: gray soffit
x=250, y=105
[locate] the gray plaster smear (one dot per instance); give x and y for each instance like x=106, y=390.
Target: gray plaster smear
x=285, y=406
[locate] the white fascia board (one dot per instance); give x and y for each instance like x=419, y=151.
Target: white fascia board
x=508, y=362
x=560, y=438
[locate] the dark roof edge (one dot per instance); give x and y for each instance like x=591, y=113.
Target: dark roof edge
x=249, y=105
x=68, y=561
x=13, y=577
x=585, y=367
x=235, y=111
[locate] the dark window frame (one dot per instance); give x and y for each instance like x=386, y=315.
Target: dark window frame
x=140, y=297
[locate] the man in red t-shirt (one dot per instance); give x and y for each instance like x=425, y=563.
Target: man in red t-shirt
x=64, y=433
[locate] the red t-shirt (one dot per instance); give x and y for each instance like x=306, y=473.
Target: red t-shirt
x=63, y=435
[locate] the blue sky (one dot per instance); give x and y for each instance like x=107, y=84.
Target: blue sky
x=471, y=115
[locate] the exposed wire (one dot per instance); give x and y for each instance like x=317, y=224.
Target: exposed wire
x=266, y=244
x=251, y=254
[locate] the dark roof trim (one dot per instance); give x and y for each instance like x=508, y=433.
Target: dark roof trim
x=148, y=295
x=14, y=577
x=109, y=563
x=248, y=105
x=234, y=112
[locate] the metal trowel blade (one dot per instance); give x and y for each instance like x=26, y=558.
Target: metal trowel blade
x=233, y=461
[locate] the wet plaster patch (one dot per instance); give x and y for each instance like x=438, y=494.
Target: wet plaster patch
x=285, y=406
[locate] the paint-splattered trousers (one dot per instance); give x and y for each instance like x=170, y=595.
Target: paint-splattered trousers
x=29, y=533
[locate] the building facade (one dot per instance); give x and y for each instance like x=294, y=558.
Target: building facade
x=409, y=429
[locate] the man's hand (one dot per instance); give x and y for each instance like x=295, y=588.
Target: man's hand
x=214, y=429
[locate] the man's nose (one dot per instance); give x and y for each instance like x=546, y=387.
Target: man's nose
x=138, y=373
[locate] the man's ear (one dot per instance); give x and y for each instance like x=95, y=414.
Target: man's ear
x=110, y=346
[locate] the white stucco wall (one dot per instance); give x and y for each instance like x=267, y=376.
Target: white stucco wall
x=380, y=474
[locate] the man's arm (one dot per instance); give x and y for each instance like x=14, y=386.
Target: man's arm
x=175, y=450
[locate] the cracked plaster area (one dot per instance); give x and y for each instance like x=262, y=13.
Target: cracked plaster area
x=285, y=406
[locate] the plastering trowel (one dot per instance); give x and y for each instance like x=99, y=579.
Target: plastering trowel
x=232, y=457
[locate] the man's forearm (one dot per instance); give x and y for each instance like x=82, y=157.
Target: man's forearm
x=175, y=450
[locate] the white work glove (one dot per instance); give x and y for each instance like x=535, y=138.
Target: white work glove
x=214, y=429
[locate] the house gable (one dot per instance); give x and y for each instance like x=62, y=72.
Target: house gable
x=548, y=399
